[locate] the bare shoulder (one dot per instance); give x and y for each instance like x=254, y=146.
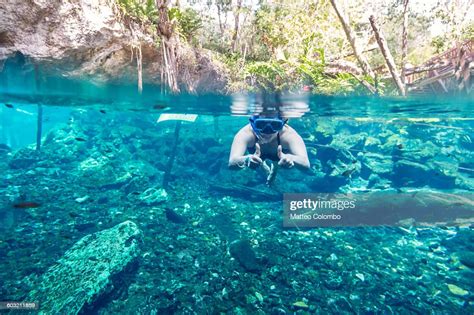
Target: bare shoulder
x=289, y=134
x=245, y=134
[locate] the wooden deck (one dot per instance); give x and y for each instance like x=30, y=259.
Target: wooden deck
x=449, y=72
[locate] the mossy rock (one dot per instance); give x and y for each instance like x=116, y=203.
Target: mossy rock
x=88, y=270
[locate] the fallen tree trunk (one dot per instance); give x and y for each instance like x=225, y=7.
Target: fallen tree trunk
x=364, y=64
x=387, y=55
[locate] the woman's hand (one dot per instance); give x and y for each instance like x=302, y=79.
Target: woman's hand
x=254, y=159
x=286, y=160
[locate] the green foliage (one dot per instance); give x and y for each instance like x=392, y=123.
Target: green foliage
x=438, y=43
x=285, y=44
x=267, y=75
x=140, y=10
x=468, y=31
x=292, y=75
x=268, y=25
x=188, y=21
x=311, y=69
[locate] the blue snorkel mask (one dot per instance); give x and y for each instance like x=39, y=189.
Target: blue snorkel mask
x=267, y=126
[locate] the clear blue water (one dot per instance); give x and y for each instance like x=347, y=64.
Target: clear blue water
x=216, y=242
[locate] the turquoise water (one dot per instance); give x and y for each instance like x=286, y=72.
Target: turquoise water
x=200, y=238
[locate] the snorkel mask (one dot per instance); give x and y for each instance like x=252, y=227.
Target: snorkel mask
x=267, y=126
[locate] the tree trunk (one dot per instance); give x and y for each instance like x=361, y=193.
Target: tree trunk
x=404, y=42
x=387, y=55
x=166, y=32
x=365, y=84
x=221, y=27
x=364, y=64
x=236, y=25
x=165, y=27
x=139, y=68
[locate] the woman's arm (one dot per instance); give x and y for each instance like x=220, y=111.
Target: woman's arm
x=298, y=154
x=237, y=158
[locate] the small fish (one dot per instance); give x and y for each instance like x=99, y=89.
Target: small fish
x=174, y=217
x=400, y=146
x=102, y=111
x=24, y=205
x=8, y=105
x=80, y=139
x=348, y=173
x=159, y=106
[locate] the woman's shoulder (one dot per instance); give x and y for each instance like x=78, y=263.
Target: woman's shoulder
x=288, y=133
x=246, y=134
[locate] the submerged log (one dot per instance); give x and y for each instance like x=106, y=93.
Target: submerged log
x=88, y=271
x=387, y=55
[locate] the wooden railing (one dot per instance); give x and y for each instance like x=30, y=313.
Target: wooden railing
x=440, y=65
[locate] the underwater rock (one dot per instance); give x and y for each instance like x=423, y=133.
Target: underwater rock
x=153, y=196
x=325, y=129
x=407, y=172
x=173, y=216
x=24, y=159
x=454, y=289
x=223, y=223
x=349, y=141
x=463, y=241
x=243, y=252
x=90, y=269
x=334, y=281
x=377, y=163
x=467, y=259
x=4, y=149
x=82, y=199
